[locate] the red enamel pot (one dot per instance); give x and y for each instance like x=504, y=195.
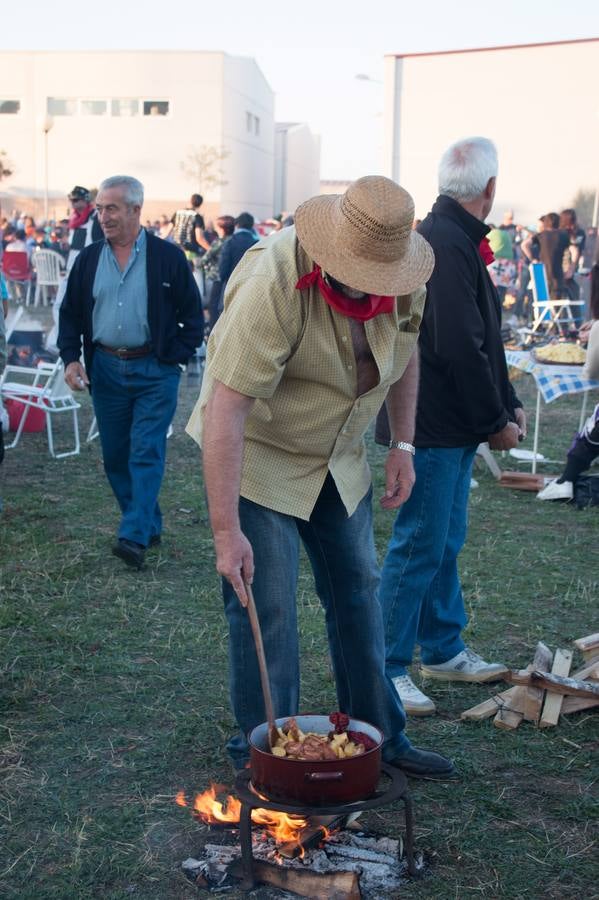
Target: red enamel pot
x=320, y=783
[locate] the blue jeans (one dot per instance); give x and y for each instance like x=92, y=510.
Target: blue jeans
x=134, y=402
x=343, y=559
x=420, y=592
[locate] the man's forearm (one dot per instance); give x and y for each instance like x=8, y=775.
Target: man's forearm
x=201, y=239
x=222, y=454
x=401, y=402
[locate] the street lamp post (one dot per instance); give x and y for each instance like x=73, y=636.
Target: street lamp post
x=47, y=124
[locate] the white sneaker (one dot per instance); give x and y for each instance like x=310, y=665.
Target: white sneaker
x=413, y=700
x=466, y=666
x=556, y=491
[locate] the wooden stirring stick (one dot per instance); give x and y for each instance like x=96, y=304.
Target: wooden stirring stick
x=273, y=734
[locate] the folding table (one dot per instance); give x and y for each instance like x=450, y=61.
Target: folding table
x=552, y=381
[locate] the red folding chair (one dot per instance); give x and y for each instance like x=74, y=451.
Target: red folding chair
x=17, y=270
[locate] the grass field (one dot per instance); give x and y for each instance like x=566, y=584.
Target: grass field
x=113, y=688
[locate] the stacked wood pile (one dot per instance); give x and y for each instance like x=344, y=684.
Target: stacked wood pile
x=545, y=689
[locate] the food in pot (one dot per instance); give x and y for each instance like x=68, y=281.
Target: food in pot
x=293, y=743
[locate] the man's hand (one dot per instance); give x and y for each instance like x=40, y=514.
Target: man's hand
x=521, y=422
x=584, y=331
x=399, y=478
x=76, y=376
x=506, y=438
x=235, y=560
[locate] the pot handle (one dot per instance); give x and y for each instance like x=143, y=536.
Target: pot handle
x=323, y=776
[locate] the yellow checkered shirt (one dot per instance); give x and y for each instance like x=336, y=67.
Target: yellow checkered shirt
x=293, y=353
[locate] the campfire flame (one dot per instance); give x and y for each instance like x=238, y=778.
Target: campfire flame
x=282, y=827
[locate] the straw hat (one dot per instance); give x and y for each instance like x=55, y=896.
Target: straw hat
x=364, y=238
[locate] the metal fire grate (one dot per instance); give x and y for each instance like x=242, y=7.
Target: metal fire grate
x=397, y=789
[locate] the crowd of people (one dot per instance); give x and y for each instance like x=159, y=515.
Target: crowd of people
x=565, y=249
x=201, y=242
x=348, y=316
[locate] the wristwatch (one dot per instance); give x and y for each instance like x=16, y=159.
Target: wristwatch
x=402, y=445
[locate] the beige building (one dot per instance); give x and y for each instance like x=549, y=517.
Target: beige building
x=297, y=165
x=538, y=102
x=159, y=115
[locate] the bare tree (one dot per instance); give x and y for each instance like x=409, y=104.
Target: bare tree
x=5, y=166
x=202, y=165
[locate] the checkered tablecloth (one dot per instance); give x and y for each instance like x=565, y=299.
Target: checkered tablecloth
x=552, y=380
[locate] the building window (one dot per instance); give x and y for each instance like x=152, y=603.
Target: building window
x=156, y=107
x=9, y=107
x=61, y=106
x=125, y=107
x=94, y=107
x=252, y=123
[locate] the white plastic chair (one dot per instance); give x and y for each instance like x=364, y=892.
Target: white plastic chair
x=42, y=388
x=48, y=274
x=484, y=451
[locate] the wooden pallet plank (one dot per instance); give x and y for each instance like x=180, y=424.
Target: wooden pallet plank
x=548, y=682
x=507, y=719
x=562, y=662
x=533, y=696
x=590, y=668
x=509, y=716
x=577, y=704
x=489, y=707
x=588, y=643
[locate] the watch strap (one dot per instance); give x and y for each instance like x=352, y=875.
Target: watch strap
x=402, y=445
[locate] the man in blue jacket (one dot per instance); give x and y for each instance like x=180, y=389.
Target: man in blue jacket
x=234, y=247
x=133, y=300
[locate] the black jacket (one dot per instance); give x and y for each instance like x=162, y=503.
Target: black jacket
x=465, y=393
x=232, y=251
x=175, y=316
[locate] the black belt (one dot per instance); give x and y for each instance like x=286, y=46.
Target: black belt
x=127, y=352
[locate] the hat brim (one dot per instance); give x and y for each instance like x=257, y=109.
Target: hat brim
x=317, y=224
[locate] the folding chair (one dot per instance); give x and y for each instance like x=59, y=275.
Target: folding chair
x=47, y=266
x=17, y=271
x=45, y=389
x=484, y=451
x=549, y=315
x=12, y=322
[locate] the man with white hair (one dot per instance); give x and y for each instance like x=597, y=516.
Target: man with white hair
x=134, y=301
x=465, y=398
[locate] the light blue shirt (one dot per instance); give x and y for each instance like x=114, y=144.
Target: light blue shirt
x=120, y=315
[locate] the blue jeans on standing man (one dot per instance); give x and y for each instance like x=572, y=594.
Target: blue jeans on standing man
x=134, y=402
x=420, y=591
x=343, y=558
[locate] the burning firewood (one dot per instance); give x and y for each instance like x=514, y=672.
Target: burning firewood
x=319, y=885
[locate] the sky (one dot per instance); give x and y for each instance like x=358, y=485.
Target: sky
x=309, y=50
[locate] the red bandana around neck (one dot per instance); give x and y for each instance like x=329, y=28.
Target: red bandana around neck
x=484, y=249
x=366, y=308
x=78, y=219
